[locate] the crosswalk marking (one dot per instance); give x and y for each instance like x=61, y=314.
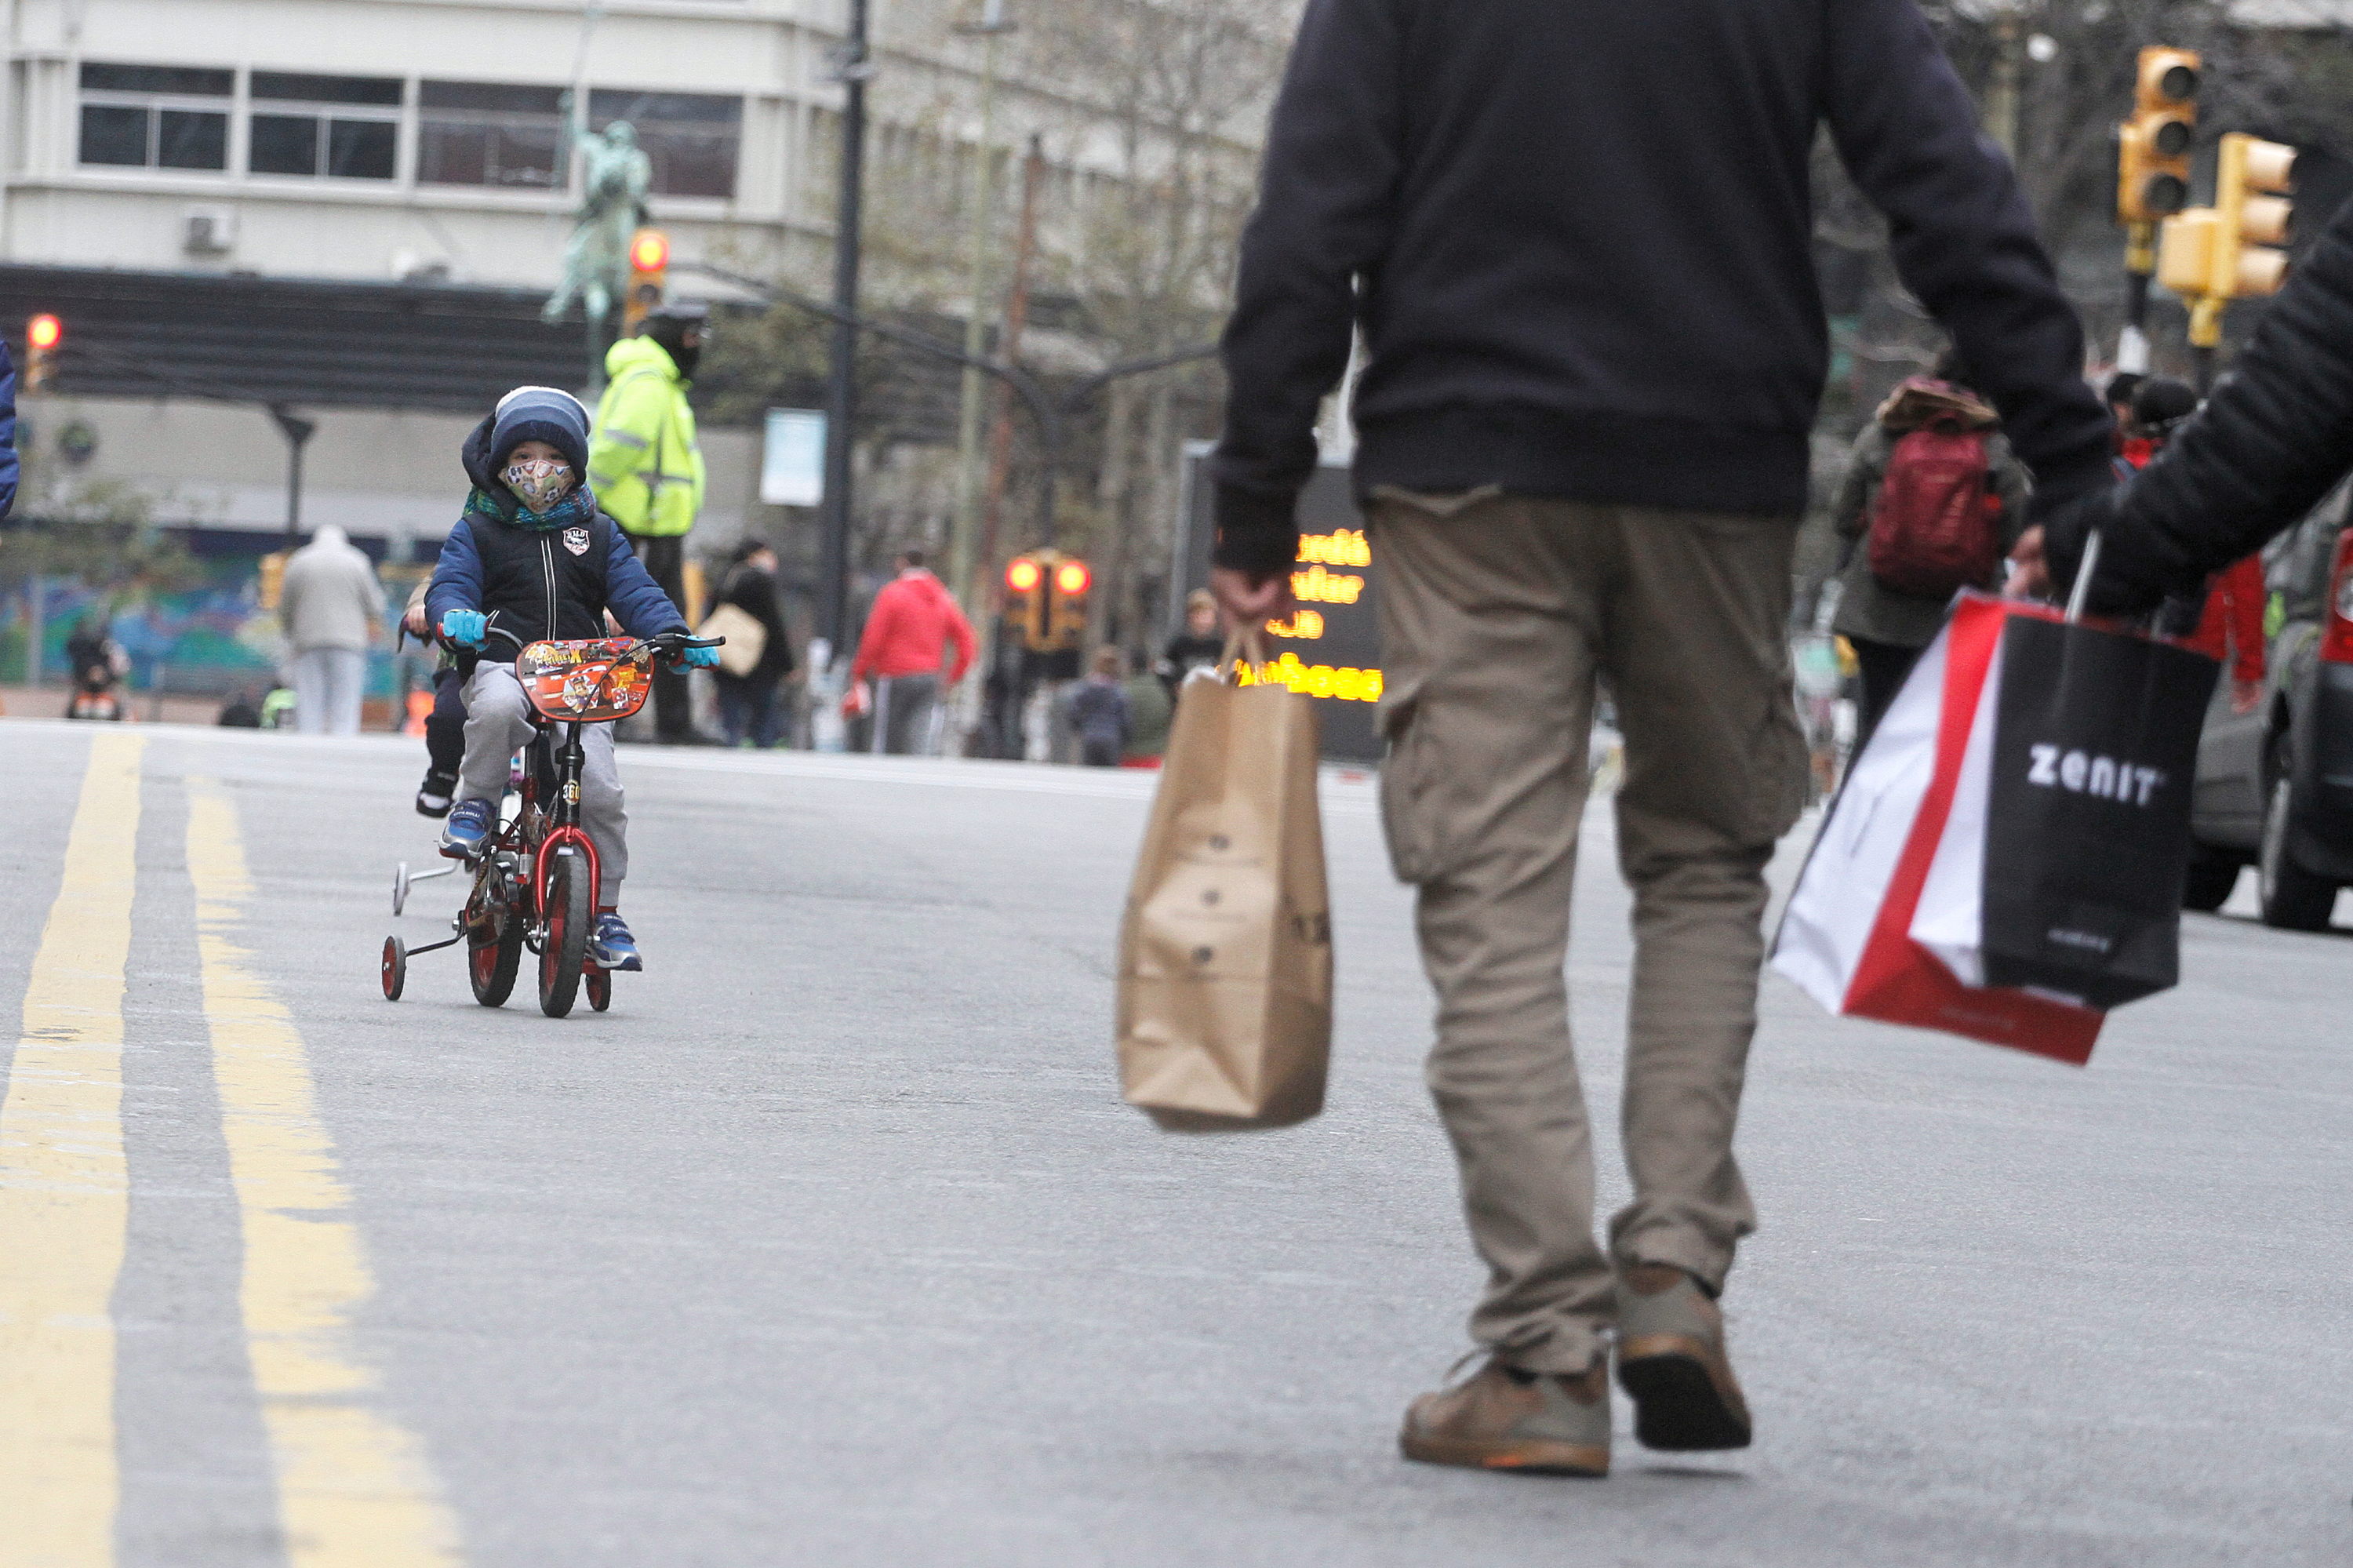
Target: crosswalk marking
x=354, y=1488
x=64, y=1199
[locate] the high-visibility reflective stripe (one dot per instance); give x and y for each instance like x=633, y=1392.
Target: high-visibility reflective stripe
x=64, y=1198
x=354, y=1489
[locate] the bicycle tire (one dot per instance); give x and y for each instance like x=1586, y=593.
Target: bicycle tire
x=493, y=965
x=599, y=983
x=563, y=946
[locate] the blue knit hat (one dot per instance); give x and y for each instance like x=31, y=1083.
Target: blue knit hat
x=540, y=414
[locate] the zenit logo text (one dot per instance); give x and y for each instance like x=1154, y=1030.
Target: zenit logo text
x=2083, y=774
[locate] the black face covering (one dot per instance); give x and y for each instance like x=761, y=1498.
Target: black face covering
x=672, y=335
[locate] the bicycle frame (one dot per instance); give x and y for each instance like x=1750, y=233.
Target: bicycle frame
x=566, y=832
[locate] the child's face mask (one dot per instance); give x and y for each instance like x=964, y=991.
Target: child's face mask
x=539, y=482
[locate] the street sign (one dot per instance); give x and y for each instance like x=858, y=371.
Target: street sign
x=1330, y=646
x=792, y=464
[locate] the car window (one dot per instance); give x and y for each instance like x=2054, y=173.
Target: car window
x=2299, y=574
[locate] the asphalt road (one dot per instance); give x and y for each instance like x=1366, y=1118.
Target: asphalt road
x=832, y=1244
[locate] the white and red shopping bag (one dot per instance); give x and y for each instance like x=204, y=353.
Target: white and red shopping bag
x=2005, y=858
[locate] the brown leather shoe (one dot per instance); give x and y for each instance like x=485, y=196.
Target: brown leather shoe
x=1505, y=1419
x=1670, y=1359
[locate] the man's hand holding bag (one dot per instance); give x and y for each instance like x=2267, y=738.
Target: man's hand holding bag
x=1225, y=978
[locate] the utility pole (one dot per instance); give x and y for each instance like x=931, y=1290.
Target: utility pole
x=1017, y=316
x=2002, y=92
x=992, y=26
x=298, y=432
x=853, y=69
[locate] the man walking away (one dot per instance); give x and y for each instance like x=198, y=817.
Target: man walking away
x=330, y=605
x=646, y=467
x=747, y=703
x=907, y=633
x=1576, y=245
x=1931, y=463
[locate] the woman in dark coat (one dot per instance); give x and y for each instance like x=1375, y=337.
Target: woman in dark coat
x=748, y=708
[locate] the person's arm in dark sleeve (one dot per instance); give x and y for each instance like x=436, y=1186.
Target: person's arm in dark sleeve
x=1326, y=192
x=8, y=432
x=457, y=578
x=1964, y=238
x=2275, y=436
x=2012, y=486
x=636, y=601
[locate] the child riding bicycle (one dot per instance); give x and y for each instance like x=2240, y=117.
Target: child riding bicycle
x=534, y=557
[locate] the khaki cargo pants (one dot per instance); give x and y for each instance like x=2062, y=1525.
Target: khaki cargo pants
x=1498, y=614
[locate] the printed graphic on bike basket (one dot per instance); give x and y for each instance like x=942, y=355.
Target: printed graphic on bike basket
x=607, y=679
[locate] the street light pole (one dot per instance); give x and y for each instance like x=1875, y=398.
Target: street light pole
x=992, y=26
x=298, y=432
x=853, y=69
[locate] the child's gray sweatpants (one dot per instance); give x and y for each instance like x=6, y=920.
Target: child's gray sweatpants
x=498, y=721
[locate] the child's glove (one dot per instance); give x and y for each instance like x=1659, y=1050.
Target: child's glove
x=466, y=627
x=702, y=658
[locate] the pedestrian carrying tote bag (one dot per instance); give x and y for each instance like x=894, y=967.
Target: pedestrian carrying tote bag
x=1952, y=887
x=1225, y=963
x=746, y=638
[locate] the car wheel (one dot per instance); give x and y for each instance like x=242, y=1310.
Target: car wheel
x=2292, y=898
x=2212, y=877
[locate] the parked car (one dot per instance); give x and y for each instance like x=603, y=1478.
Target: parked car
x=2274, y=785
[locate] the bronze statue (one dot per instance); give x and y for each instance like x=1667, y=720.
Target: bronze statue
x=612, y=209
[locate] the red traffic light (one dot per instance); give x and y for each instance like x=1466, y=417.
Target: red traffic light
x=1072, y=579
x=1021, y=576
x=650, y=251
x=45, y=331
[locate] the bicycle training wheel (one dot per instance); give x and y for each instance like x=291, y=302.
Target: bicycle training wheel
x=564, y=946
x=491, y=964
x=395, y=967
x=600, y=988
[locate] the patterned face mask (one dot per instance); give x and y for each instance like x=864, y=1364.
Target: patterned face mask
x=539, y=482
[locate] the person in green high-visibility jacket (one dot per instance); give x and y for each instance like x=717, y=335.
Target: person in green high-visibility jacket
x=646, y=467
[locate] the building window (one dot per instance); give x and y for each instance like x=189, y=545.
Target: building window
x=340, y=127
x=692, y=138
x=487, y=134
x=155, y=117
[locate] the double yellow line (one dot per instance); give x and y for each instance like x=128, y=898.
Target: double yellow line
x=354, y=1487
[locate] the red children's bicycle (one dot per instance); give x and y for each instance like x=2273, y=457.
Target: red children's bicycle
x=536, y=879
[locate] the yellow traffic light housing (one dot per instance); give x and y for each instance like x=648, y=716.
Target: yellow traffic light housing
x=1024, y=599
x=1066, y=618
x=2211, y=255
x=649, y=277
x=2251, y=180
x=2153, y=146
x=43, y=334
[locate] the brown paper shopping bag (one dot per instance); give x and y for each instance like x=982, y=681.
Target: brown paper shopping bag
x=1225, y=972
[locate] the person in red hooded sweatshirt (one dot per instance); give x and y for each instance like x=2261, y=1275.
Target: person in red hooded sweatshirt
x=2231, y=623
x=907, y=633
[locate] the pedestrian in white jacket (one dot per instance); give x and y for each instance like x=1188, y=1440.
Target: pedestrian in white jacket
x=331, y=606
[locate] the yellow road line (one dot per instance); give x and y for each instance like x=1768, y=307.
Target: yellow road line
x=64, y=1192
x=354, y=1489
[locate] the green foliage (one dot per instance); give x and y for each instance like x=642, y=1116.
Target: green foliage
x=99, y=532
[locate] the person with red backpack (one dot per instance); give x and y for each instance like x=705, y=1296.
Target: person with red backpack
x=1932, y=501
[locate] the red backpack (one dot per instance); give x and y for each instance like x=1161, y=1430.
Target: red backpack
x=1932, y=525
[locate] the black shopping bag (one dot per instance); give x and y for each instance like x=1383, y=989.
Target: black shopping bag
x=2087, y=821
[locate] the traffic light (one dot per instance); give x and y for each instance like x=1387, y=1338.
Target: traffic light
x=2211, y=255
x=1024, y=578
x=1066, y=617
x=2153, y=146
x=649, y=276
x=43, y=334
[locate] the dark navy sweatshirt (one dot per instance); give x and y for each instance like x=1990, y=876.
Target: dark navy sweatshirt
x=1578, y=238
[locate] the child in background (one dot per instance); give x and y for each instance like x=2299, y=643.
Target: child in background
x=1099, y=711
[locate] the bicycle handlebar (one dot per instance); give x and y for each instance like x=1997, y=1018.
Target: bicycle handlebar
x=670, y=642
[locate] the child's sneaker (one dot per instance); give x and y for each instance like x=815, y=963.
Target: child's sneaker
x=612, y=948
x=433, y=795
x=468, y=829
